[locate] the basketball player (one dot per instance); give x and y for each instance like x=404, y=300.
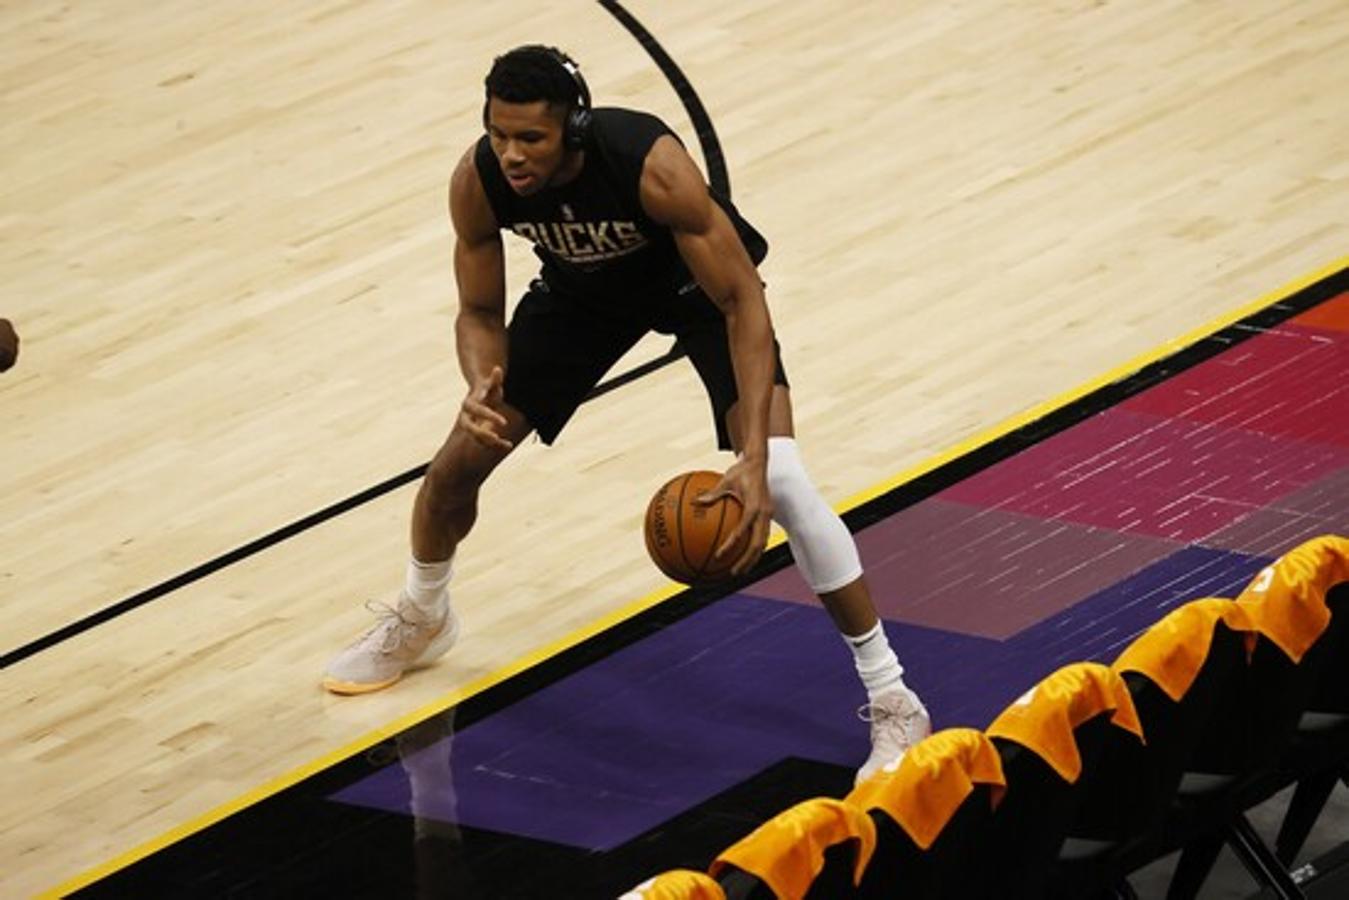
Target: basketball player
x=9, y=345
x=631, y=239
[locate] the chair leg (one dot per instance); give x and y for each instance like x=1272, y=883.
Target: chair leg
x=1196, y=861
x=1122, y=890
x=1308, y=800
x=1260, y=861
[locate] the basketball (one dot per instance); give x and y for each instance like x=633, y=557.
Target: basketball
x=682, y=536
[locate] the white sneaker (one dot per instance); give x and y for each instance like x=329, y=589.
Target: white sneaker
x=898, y=721
x=402, y=639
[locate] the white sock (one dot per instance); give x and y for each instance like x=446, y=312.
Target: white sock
x=876, y=662
x=425, y=584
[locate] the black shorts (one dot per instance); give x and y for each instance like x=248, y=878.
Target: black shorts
x=561, y=345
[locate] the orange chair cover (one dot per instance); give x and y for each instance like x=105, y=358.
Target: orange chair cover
x=1174, y=649
x=1043, y=719
x=787, y=851
x=1287, y=600
x=924, y=788
x=677, y=884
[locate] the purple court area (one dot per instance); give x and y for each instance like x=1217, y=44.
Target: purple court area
x=1061, y=553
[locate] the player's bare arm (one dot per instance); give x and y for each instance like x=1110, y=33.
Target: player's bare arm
x=480, y=327
x=674, y=194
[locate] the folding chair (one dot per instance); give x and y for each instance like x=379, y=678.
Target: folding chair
x=931, y=808
x=1242, y=757
x=1319, y=754
x=1173, y=671
x=1050, y=740
x=818, y=849
x=1301, y=603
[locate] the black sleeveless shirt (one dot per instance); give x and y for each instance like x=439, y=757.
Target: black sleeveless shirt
x=591, y=234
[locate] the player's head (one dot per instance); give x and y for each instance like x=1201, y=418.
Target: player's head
x=537, y=112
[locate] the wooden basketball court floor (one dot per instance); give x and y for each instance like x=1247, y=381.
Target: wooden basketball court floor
x=226, y=250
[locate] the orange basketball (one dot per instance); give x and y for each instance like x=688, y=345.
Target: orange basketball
x=682, y=536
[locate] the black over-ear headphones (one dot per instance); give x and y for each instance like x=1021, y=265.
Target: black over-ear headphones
x=577, y=126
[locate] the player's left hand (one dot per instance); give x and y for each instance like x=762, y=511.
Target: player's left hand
x=748, y=481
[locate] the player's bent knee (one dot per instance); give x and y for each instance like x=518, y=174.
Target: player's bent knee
x=821, y=544
x=459, y=469
x=447, y=490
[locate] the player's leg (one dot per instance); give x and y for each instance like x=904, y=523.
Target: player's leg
x=824, y=551
x=422, y=626
x=557, y=351
x=447, y=501
x=826, y=554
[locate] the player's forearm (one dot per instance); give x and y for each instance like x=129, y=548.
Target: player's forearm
x=751, y=337
x=480, y=338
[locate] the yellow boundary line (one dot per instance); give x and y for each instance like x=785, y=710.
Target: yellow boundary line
x=281, y=782
x=1118, y=373
x=366, y=741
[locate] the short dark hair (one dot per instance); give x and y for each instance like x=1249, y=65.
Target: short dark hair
x=531, y=73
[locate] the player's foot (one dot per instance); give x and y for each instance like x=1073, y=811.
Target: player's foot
x=898, y=721
x=402, y=639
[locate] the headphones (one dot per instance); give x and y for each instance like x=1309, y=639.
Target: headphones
x=576, y=126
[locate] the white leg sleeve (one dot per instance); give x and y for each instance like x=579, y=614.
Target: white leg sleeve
x=821, y=544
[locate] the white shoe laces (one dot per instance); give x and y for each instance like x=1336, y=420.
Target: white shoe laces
x=393, y=627
x=896, y=725
x=904, y=713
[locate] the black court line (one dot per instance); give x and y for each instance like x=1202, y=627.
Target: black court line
x=284, y=836
x=717, y=177
x=713, y=158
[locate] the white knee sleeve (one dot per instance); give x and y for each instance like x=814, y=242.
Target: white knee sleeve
x=821, y=544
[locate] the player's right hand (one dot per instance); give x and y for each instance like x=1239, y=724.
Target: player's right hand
x=748, y=482
x=480, y=415
x=9, y=345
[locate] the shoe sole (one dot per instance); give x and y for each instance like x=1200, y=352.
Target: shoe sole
x=438, y=647
x=349, y=688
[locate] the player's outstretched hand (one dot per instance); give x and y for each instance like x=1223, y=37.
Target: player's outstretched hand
x=481, y=414
x=9, y=345
x=748, y=481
